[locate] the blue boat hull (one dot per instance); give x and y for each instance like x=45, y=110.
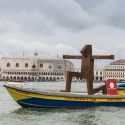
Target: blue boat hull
x=44, y=103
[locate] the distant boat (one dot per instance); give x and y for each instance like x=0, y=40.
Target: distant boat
x=121, y=81
x=56, y=99
x=16, y=81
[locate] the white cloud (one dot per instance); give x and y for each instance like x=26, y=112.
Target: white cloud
x=16, y=48
x=61, y=27
x=68, y=14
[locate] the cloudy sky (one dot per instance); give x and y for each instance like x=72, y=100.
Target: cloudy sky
x=62, y=27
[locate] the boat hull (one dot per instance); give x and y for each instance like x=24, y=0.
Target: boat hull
x=45, y=103
x=27, y=98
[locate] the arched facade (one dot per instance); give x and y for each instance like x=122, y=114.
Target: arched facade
x=32, y=69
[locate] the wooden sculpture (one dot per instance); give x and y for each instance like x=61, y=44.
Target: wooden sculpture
x=87, y=69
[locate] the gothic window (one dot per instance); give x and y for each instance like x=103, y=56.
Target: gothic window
x=8, y=64
x=17, y=64
x=50, y=67
x=33, y=66
x=26, y=64
x=59, y=67
x=41, y=65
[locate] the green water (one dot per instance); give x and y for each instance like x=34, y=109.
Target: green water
x=12, y=114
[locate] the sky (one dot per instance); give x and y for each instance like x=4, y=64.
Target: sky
x=57, y=27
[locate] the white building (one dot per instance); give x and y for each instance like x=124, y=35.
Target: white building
x=115, y=70
x=35, y=69
x=98, y=74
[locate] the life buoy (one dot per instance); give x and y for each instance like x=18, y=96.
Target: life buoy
x=111, y=85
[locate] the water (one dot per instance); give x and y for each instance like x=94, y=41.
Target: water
x=12, y=114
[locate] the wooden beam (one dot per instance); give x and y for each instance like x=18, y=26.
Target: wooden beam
x=103, y=57
x=72, y=57
x=99, y=88
x=93, y=57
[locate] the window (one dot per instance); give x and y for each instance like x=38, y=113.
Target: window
x=26, y=64
x=50, y=67
x=41, y=65
x=97, y=79
x=8, y=64
x=17, y=64
x=59, y=67
x=33, y=66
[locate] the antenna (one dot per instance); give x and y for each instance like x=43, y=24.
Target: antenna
x=35, y=53
x=23, y=52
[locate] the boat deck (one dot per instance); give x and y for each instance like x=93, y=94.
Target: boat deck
x=63, y=94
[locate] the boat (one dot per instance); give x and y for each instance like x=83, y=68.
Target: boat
x=56, y=99
x=108, y=94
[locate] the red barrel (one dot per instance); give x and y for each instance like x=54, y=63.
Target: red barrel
x=111, y=86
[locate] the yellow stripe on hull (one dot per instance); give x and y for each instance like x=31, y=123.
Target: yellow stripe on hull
x=20, y=94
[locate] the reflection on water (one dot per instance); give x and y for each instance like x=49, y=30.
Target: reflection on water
x=11, y=113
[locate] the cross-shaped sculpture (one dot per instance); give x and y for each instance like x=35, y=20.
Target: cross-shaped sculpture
x=87, y=69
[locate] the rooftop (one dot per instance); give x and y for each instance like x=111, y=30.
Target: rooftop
x=118, y=62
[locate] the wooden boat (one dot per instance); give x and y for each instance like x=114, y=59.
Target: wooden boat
x=110, y=96
x=57, y=99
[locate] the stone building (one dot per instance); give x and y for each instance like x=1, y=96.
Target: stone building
x=98, y=74
x=115, y=70
x=30, y=69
